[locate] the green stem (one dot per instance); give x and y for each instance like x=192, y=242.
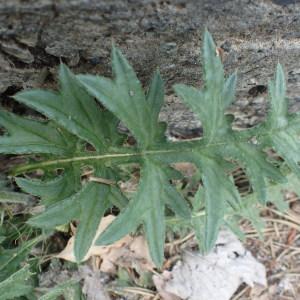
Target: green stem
x=121, y=157
x=175, y=220
x=181, y=148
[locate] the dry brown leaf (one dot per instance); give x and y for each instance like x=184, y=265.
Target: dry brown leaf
x=127, y=252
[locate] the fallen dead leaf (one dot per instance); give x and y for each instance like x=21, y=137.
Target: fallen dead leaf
x=127, y=252
x=214, y=276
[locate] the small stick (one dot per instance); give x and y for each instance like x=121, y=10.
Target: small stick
x=102, y=180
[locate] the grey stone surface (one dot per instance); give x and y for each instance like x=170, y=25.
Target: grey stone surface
x=254, y=34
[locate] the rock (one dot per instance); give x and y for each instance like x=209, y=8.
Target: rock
x=18, y=52
x=254, y=35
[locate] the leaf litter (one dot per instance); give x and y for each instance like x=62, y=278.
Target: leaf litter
x=130, y=251
x=214, y=276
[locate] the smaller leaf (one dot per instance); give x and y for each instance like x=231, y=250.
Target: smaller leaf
x=216, y=199
x=51, y=191
x=27, y=136
x=288, y=147
x=252, y=214
x=177, y=203
x=155, y=96
x=125, y=76
x=73, y=108
x=198, y=201
x=94, y=201
x=13, y=197
x=198, y=223
x=125, y=98
x=213, y=69
x=117, y=198
x=279, y=107
x=229, y=90
x=234, y=226
x=192, y=97
x=10, y=259
x=16, y=285
x=282, y=137
x=257, y=168
x=154, y=226
x=147, y=207
x=209, y=104
x=59, y=213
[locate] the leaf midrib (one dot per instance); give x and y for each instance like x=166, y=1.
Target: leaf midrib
x=187, y=146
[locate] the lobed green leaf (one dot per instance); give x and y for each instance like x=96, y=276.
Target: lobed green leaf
x=51, y=191
x=73, y=108
x=26, y=136
x=94, y=201
x=125, y=98
x=82, y=135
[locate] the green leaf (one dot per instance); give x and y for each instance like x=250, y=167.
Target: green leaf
x=78, y=122
x=234, y=226
x=192, y=97
x=51, y=191
x=16, y=285
x=288, y=147
x=117, y=198
x=31, y=136
x=229, y=90
x=292, y=184
x=125, y=98
x=10, y=259
x=155, y=99
x=176, y=202
x=253, y=215
x=218, y=191
x=213, y=69
x=59, y=213
x=155, y=96
x=257, y=168
x=279, y=107
x=13, y=197
x=209, y=104
x=147, y=207
x=72, y=108
x=94, y=202
x=285, y=142
x=198, y=201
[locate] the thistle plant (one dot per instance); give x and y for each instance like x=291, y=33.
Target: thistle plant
x=80, y=135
